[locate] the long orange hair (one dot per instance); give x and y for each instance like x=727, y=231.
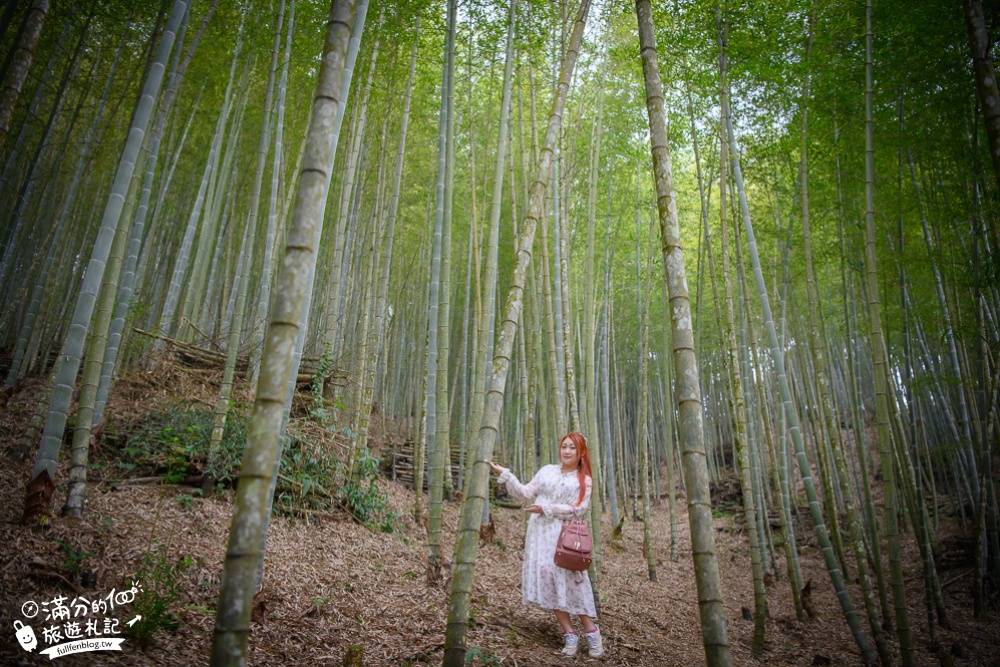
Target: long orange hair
x=583, y=470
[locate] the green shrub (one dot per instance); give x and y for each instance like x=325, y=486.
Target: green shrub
x=304, y=481
x=360, y=494
x=175, y=441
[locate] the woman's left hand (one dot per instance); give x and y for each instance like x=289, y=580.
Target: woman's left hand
x=534, y=509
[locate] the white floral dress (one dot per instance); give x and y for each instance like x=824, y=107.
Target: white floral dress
x=543, y=583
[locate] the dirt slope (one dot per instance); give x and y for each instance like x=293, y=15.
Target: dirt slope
x=331, y=583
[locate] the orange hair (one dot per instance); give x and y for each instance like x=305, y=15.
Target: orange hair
x=583, y=471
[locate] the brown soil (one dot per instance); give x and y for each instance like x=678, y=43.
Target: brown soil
x=330, y=583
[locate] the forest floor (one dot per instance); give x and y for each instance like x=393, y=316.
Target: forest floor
x=330, y=582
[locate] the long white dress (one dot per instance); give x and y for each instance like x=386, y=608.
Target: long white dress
x=543, y=583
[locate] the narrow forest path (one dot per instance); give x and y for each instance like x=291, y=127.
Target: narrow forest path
x=330, y=583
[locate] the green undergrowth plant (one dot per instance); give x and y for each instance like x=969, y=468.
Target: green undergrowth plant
x=318, y=408
x=359, y=494
x=75, y=558
x=478, y=656
x=173, y=442
x=160, y=579
x=303, y=482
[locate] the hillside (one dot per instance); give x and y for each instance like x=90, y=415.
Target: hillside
x=330, y=582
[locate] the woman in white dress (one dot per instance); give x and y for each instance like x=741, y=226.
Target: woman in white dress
x=560, y=492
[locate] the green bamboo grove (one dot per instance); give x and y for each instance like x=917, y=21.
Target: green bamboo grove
x=738, y=242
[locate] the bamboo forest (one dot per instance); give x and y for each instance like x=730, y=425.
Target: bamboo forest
x=286, y=283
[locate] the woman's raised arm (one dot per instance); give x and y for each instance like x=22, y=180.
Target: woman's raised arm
x=518, y=491
x=565, y=511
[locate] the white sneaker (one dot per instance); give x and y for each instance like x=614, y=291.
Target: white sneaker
x=595, y=642
x=572, y=644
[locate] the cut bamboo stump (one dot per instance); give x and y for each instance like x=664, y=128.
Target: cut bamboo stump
x=354, y=656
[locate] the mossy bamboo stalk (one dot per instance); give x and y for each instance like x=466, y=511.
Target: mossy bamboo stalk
x=707, y=580
x=17, y=72
x=243, y=554
x=476, y=494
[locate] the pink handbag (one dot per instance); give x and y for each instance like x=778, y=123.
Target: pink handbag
x=573, y=550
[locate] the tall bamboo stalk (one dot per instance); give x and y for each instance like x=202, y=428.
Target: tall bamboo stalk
x=72, y=351
x=607, y=442
x=881, y=367
x=181, y=262
x=241, y=284
x=232, y=624
x=707, y=580
x=822, y=535
x=854, y=391
x=128, y=278
x=642, y=429
x=855, y=532
x=17, y=368
x=738, y=393
x=596, y=438
x=96, y=346
x=353, y=47
x=966, y=452
x=381, y=306
x=476, y=494
x=20, y=64
x=257, y=345
x=435, y=411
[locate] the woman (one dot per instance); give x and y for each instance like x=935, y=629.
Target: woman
x=561, y=492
